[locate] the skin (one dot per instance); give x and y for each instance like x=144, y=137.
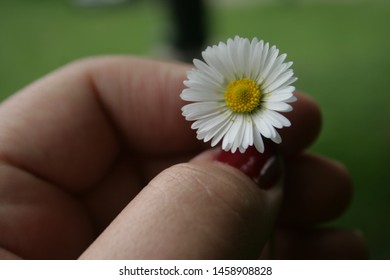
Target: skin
x=88, y=169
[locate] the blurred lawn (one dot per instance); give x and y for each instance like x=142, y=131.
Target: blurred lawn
x=340, y=52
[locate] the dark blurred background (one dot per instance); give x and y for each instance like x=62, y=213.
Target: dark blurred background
x=340, y=50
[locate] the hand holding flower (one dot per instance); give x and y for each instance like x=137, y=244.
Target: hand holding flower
x=87, y=169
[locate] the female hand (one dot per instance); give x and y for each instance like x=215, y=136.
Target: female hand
x=88, y=169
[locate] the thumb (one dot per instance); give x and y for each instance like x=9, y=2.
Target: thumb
x=203, y=209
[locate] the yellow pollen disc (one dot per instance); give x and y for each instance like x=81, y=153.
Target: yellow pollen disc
x=243, y=96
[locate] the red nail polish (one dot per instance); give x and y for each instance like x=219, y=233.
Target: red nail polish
x=263, y=168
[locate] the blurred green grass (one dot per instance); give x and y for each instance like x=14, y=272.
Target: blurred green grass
x=340, y=52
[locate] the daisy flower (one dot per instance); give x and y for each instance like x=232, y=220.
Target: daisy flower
x=237, y=94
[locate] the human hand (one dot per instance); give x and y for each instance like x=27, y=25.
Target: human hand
x=78, y=146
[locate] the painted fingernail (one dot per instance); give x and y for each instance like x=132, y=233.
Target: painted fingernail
x=263, y=168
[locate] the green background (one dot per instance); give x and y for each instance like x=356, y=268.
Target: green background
x=340, y=51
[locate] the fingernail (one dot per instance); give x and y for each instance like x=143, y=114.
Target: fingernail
x=263, y=168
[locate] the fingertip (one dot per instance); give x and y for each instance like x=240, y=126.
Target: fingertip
x=317, y=189
x=205, y=210
x=306, y=121
x=221, y=199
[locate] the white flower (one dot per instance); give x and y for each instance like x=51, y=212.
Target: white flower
x=237, y=94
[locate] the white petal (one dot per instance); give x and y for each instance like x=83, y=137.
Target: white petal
x=197, y=110
x=270, y=61
x=257, y=51
x=240, y=133
x=203, y=86
x=278, y=106
x=277, y=70
x=276, y=138
x=202, y=80
x=278, y=97
x=230, y=136
x=196, y=95
x=234, y=55
x=291, y=99
x=207, y=134
x=247, y=139
x=221, y=132
x=244, y=138
x=279, y=81
x=261, y=125
x=200, y=107
x=225, y=58
x=212, y=131
x=258, y=141
x=207, y=124
x=212, y=58
x=288, y=82
x=270, y=128
x=201, y=119
x=270, y=120
x=278, y=118
x=244, y=51
x=238, y=50
x=218, y=132
x=264, y=56
x=249, y=131
x=207, y=70
x=287, y=89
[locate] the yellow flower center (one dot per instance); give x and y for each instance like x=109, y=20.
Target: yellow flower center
x=243, y=96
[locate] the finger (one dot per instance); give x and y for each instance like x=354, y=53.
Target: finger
x=331, y=244
x=77, y=118
x=57, y=130
x=108, y=198
x=316, y=190
x=142, y=99
x=192, y=211
x=305, y=125
x=39, y=221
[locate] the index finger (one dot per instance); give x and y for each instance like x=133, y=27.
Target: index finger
x=69, y=127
